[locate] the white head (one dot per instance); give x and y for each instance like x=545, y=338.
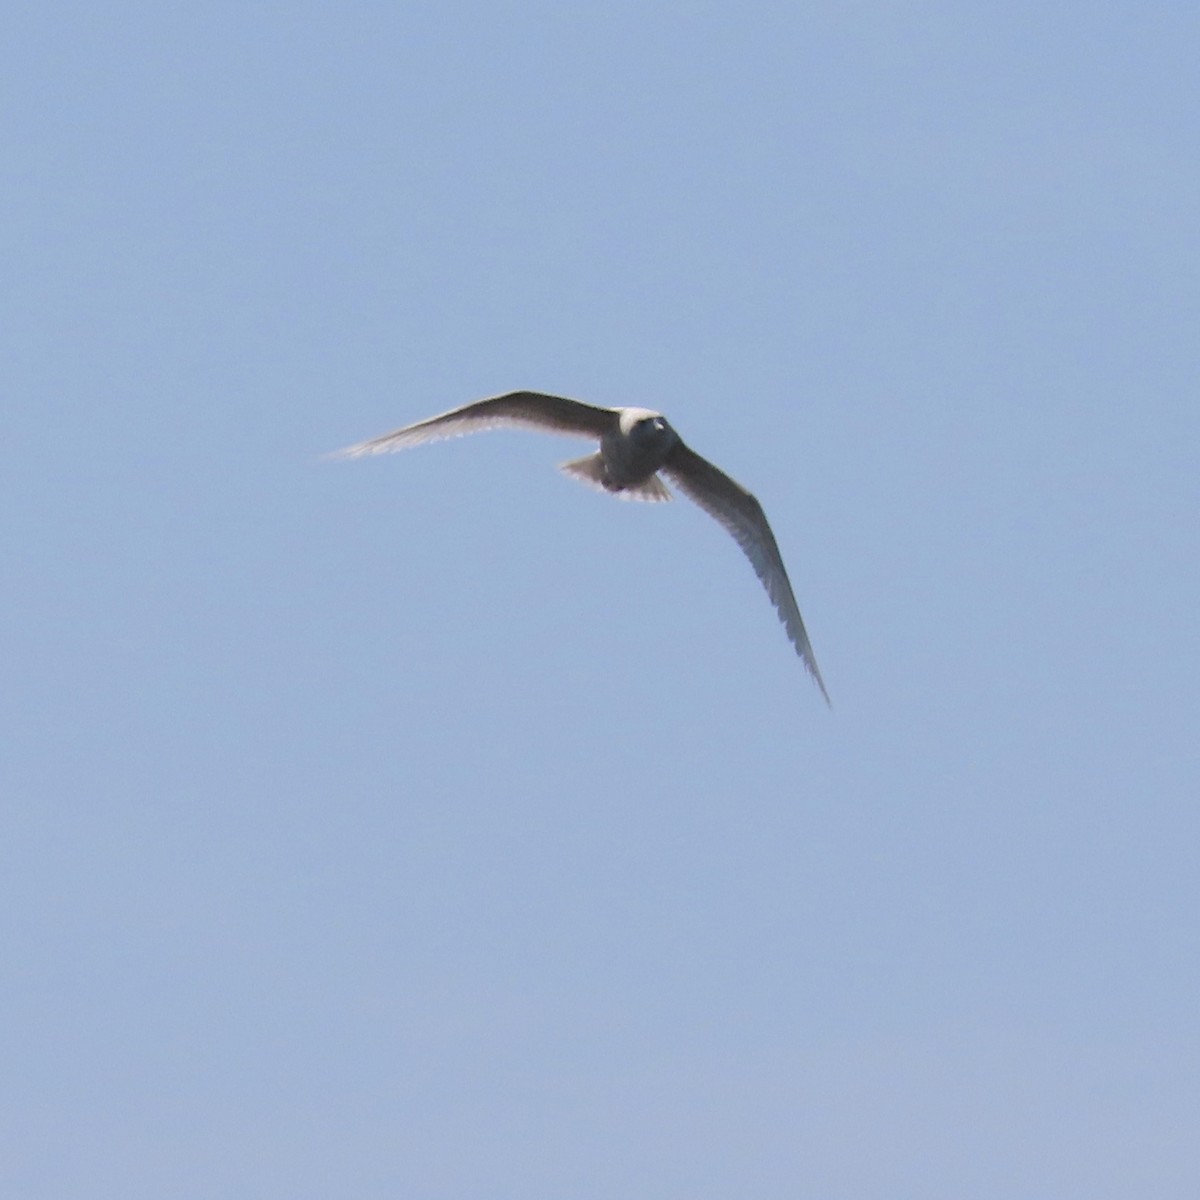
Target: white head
x=646, y=427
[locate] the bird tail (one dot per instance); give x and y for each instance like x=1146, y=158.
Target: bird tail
x=589, y=470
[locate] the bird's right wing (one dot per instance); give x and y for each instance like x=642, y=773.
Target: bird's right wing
x=527, y=410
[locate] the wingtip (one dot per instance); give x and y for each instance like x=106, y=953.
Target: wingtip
x=816, y=678
x=358, y=450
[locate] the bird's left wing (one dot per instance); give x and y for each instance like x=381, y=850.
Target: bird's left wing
x=529, y=410
x=732, y=506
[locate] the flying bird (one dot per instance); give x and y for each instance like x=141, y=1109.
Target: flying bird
x=636, y=446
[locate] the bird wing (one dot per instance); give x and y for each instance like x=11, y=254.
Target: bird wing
x=732, y=506
x=528, y=410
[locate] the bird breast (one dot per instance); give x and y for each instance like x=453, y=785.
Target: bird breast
x=637, y=447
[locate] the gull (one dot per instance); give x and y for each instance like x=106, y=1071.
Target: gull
x=636, y=445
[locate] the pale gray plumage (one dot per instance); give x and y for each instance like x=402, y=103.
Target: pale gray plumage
x=635, y=444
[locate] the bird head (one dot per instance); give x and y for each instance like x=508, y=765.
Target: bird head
x=648, y=428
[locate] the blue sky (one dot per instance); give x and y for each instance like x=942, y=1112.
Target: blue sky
x=432, y=826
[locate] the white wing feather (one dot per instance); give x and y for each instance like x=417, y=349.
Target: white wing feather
x=526, y=410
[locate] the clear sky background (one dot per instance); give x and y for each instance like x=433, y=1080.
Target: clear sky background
x=434, y=827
